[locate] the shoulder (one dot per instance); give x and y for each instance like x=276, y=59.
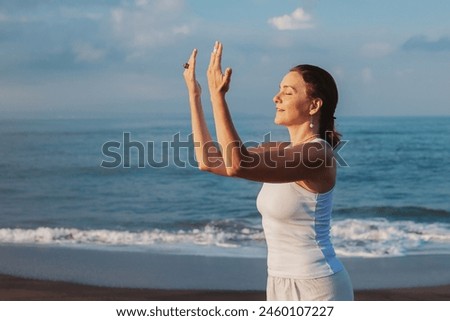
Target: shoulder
x=319, y=159
x=321, y=149
x=268, y=146
x=316, y=154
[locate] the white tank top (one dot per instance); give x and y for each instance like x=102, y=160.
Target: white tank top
x=296, y=225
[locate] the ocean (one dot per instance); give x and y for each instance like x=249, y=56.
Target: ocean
x=130, y=184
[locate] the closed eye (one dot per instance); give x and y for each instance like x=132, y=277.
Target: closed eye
x=288, y=90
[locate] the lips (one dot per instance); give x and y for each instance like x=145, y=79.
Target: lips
x=279, y=109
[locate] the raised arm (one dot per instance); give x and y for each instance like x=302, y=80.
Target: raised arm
x=272, y=164
x=207, y=154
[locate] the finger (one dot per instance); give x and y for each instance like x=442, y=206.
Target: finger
x=219, y=56
x=193, y=55
x=213, y=56
x=227, y=76
x=228, y=72
x=193, y=60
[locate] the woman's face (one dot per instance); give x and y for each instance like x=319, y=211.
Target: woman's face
x=292, y=102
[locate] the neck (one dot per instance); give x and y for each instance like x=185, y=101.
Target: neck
x=300, y=134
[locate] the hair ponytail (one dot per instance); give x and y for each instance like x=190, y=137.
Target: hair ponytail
x=320, y=84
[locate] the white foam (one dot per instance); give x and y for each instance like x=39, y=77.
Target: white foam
x=381, y=237
x=351, y=237
x=209, y=235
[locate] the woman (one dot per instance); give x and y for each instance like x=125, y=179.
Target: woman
x=296, y=197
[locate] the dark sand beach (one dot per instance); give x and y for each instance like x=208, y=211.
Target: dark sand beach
x=15, y=288
x=57, y=273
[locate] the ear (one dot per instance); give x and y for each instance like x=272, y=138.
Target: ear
x=315, y=106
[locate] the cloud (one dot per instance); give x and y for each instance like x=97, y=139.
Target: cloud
x=79, y=13
x=298, y=19
x=85, y=52
x=367, y=75
x=14, y=18
x=376, y=50
x=423, y=43
x=147, y=24
x=3, y=17
x=92, y=91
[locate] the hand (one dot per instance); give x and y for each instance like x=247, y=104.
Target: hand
x=189, y=76
x=217, y=81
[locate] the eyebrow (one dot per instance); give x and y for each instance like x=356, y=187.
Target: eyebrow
x=287, y=86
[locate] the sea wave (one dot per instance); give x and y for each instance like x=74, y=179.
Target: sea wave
x=382, y=237
x=375, y=237
x=208, y=235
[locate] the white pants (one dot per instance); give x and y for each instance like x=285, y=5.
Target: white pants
x=336, y=287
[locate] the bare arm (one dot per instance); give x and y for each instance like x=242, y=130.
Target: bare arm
x=301, y=162
x=207, y=154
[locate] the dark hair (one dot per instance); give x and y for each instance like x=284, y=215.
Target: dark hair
x=320, y=84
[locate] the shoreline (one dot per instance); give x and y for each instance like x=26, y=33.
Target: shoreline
x=22, y=289
x=61, y=273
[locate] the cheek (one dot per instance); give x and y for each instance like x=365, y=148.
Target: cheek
x=292, y=104
x=301, y=105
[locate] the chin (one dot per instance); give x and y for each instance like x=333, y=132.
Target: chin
x=278, y=121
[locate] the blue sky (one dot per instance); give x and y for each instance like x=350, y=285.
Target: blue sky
x=67, y=57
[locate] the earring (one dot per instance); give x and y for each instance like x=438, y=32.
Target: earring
x=311, y=125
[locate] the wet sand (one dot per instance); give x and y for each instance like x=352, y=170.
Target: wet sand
x=16, y=288
x=56, y=273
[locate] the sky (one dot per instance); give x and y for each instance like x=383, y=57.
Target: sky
x=97, y=57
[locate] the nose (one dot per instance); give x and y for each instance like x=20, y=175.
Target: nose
x=276, y=98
